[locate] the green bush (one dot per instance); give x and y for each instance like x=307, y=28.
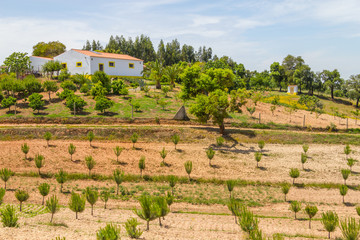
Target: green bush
x=9, y=217
x=220, y=141
x=21, y=196
x=64, y=74
x=68, y=84
x=109, y=232
x=36, y=102
x=131, y=228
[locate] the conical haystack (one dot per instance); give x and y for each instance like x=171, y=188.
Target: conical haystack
x=181, y=114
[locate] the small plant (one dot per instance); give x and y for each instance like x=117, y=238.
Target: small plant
x=350, y=229
x=90, y=163
x=109, y=232
x=5, y=174
x=305, y=148
x=347, y=150
x=134, y=139
x=285, y=188
x=61, y=178
x=25, y=149
x=163, y=103
x=21, y=196
x=91, y=196
x=117, y=151
x=39, y=162
x=47, y=137
x=210, y=153
x=258, y=156
x=52, y=205
x=162, y=208
x=90, y=137
x=357, y=210
x=345, y=174
x=311, y=212
x=169, y=199
x=118, y=176
x=2, y=194
x=220, y=141
x=230, y=185
x=9, y=217
x=261, y=144
x=77, y=203
x=104, y=196
x=163, y=154
x=157, y=120
x=294, y=173
x=351, y=162
x=172, y=182
x=247, y=221
x=235, y=206
x=44, y=190
x=175, y=139
x=251, y=110
x=131, y=228
x=343, y=191
x=295, y=207
x=188, y=168
x=149, y=210
x=303, y=160
x=141, y=165
x=71, y=150
x=165, y=90
x=330, y=221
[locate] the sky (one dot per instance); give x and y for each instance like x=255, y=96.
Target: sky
x=325, y=33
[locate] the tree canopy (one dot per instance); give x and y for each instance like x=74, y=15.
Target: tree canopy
x=49, y=49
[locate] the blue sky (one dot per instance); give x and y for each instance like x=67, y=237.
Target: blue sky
x=325, y=33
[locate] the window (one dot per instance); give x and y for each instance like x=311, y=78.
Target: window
x=101, y=67
x=64, y=65
x=79, y=64
x=131, y=65
x=111, y=64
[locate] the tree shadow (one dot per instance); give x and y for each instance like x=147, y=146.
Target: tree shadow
x=13, y=111
x=299, y=185
x=83, y=113
x=308, y=170
x=119, y=163
x=262, y=168
x=179, y=150
x=109, y=114
x=52, y=145
x=165, y=164
x=45, y=175
x=76, y=161
x=215, y=166
x=348, y=204
x=41, y=113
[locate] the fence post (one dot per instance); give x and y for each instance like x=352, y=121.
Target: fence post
x=74, y=110
x=259, y=118
x=347, y=123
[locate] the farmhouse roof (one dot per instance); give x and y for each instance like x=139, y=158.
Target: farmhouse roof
x=43, y=57
x=3, y=67
x=107, y=55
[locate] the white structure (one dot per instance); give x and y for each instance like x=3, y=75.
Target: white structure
x=88, y=62
x=292, y=89
x=36, y=62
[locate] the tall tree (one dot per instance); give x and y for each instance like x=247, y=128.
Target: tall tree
x=353, y=88
x=50, y=49
x=17, y=63
x=290, y=64
x=277, y=74
x=332, y=80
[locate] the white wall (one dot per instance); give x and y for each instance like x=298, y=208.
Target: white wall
x=121, y=67
x=71, y=57
x=37, y=63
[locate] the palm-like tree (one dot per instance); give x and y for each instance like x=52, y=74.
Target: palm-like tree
x=157, y=71
x=172, y=73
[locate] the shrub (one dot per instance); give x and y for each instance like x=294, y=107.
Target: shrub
x=39, y=162
x=347, y=150
x=169, y=199
x=103, y=78
x=5, y=174
x=294, y=173
x=345, y=174
x=68, y=84
x=64, y=74
x=134, y=139
x=109, y=232
x=343, y=191
x=331, y=128
x=44, y=190
x=230, y=185
x=210, y=153
x=102, y=103
x=295, y=206
x=9, y=217
x=52, y=205
x=117, y=151
x=71, y=150
x=220, y=141
x=163, y=103
x=303, y=159
x=172, y=182
x=131, y=228
x=91, y=196
x=258, y=156
x=235, y=206
x=36, y=102
x=285, y=188
x=25, y=149
x=2, y=194
x=188, y=168
x=311, y=212
x=85, y=88
x=305, y=148
x=357, y=210
x=77, y=203
x=261, y=144
x=350, y=229
x=162, y=208
x=141, y=165
x=75, y=103
x=66, y=94
x=47, y=137
x=8, y=102
x=251, y=110
x=118, y=176
x=136, y=106
x=175, y=139
x=330, y=221
x=21, y=196
x=104, y=196
x=98, y=91
x=119, y=87
x=247, y=221
x=61, y=178
x=157, y=120
x=149, y=210
x=351, y=162
x=163, y=154
x=32, y=85
x=165, y=90
x=90, y=163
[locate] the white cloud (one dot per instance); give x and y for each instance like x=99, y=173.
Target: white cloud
x=205, y=20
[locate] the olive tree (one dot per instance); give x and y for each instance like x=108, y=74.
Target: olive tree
x=295, y=207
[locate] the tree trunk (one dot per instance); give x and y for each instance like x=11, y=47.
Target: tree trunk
x=61, y=186
x=147, y=225
x=332, y=93
x=76, y=215
x=329, y=235
x=117, y=190
x=189, y=178
x=52, y=215
x=20, y=206
x=230, y=194
x=5, y=185
x=160, y=222
x=357, y=102
x=310, y=223
x=49, y=97
x=222, y=128
x=158, y=85
x=43, y=200
x=285, y=197
x=92, y=210
x=295, y=215
x=343, y=198
x=105, y=206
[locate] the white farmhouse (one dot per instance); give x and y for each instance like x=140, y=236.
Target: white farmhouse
x=36, y=63
x=88, y=62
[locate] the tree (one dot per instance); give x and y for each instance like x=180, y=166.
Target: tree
x=247, y=221
x=25, y=149
x=311, y=212
x=235, y=206
x=149, y=210
x=165, y=90
x=351, y=162
x=118, y=176
x=343, y=191
x=210, y=153
x=75, y=103
x=258, y=156
x=52, y=205
x=9, y=217
x=44, y=190
x=117, y=151
x=102, y=103
x=169, y=199
x=163, y=154
x=230, y=185
x=103, y=78
x=39, y=162
x=36, y=102
x=347, y=150
x=90, y=136
x=350, y=229
x=21, y=196
x=172, y=182
x=172, y=73
x=330, y=221
x=134, y=139
x=305, y=148
x=119, y=87
x=104, y=196
x=277, y=74
x=92, y=197
x=251, y=110
x=50, y=86
x=345, y=174
x=8, y=102
x=77, y=203
x=188, y=168
x=261, y=144
x=71, y=150
x=131, y=228
x=5, y=174
x=142, y=165
x=49, y=50
x=61, y=178
x=285, y=189
x=162, y=208
x=331, y=80
x=353, y=89
x=47, y=137
x=356, y=113
x=295, y=206
x=109, y=232
x=156, y=72
x=18, y=63
x=303, y=160
x=294, y=173
x=90, y=163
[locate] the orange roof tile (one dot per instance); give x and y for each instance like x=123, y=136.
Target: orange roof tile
x=43, y=57
x=107, y=55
